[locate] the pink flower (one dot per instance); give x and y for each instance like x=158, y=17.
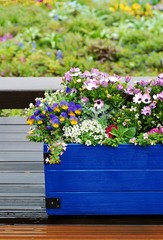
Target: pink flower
x=129, y=90
x=68, y=77
x=98, y=104
x=137, y=98
x=114, y=78
x=84, y=100
x=160, y=75
x=156, y=130
x=91, y=84
x=146, y=111
x=153, y=105
x=146, y=98
x=109, y=129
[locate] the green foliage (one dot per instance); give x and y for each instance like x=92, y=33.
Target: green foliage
x=86, y=33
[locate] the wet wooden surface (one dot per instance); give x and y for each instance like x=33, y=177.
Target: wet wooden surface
x=50, y=232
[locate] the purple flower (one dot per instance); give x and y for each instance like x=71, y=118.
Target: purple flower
x=86, y=74
x=127, y=79
x=37, y=112
x=95, y=71
x=104, y=82
x=64, y=105
x=56, y=107
x=68, y=77
x=78, y=109
x=49, y=128
x=144, y=83
x=38, y=102
x=146, y=111
x=52, y=116
x=55, y=122
x=119, y=87
x=68, y=90
x=63, y=116
x=59, y=55
x=129, y=90
x=48, y=109
x=74, y=70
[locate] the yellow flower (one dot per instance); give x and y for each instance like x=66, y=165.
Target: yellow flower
x=55, y=125
x=62, y=119
x=78, y=111
x=56, y=109
x=30, y=121
x=64, y=107
x=39, y=122
x=71, y=113
x=136, y=6
x=74, y=122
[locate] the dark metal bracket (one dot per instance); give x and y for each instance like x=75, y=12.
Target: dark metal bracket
x=53, y=203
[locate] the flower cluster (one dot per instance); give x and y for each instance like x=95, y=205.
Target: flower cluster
x=88, y=132
x=135, y=9
x=98, y=108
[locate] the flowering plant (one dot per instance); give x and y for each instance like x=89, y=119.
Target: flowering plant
x=97, y=108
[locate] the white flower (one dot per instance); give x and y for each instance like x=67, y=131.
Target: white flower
x=88, y=143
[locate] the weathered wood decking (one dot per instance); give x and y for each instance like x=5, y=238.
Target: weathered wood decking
x=80, y=232
x=21, y=171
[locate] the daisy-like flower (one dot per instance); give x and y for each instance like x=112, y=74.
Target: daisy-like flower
x=146, y=111
x=114, y=78
x=153, y=105
x=67, y=77
x=137, y=98
x=88, y=143
x=98, y=104
x=84, y=100
x=119, y=87
x=146, y=98
x=91, y=84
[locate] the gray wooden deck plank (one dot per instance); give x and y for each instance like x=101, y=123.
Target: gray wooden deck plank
x=22, y=177
x=20, y=146
x=21, y=166
x=21, y=156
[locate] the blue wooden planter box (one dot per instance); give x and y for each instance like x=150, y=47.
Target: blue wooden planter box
x=105, y=180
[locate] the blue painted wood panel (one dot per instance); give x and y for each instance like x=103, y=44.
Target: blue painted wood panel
x=108, y=203
x=126, y=156
x=106, y=180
